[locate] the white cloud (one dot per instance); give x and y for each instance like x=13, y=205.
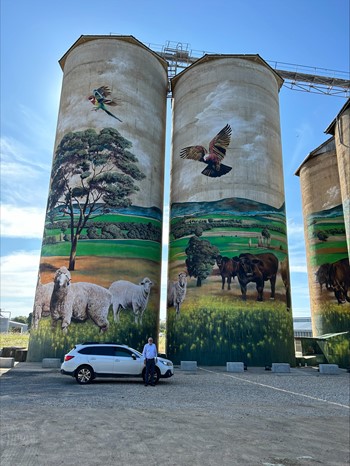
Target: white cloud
x=19, y=273
x=295, y=230
x=24, y=174
x=18, y=222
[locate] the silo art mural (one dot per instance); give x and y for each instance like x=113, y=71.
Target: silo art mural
x=99, y=277
x=229, y=289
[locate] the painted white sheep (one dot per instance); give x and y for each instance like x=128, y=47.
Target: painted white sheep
x=127, y=295
x=78, y=301
x=177, y=292
x=42, y=301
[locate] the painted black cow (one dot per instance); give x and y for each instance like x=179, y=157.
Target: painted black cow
x=228, y=270
x=322, y=276
x=258, y=269
x=339, y=280
x=284, y=269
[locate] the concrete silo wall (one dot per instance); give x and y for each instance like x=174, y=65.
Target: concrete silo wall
x=342, y=141
x=104, y=215
x=227, y=216
x=325, y=238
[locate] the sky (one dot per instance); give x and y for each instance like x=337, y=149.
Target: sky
x=35, y=34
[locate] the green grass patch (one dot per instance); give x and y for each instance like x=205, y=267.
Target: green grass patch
x=14, y=339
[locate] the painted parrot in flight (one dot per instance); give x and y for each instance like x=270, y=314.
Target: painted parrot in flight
x=99, y=99
x=213, y=158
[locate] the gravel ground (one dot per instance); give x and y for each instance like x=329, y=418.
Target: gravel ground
x=211, y=417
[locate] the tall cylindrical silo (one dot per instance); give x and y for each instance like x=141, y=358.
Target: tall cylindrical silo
x=326, y=248
x=228, y=291
x=103, y=228
x=340, y=129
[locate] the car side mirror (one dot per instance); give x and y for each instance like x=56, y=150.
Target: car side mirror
x=134, y=357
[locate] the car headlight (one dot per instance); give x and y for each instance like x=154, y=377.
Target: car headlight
x=166, y=363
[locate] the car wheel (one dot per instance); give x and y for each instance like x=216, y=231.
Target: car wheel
x=84, y=375
x=156, y=375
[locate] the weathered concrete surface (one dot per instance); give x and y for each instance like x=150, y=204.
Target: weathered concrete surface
x=188, y=365
x=235, y=367
x=7, y=362
x=329, y=368
x=207, y=418
x=51, y=362
x=280, y=367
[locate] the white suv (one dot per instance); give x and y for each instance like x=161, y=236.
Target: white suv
x=90, y=360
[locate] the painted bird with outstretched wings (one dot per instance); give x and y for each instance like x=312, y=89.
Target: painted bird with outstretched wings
x=100, y=98
x=213, y=157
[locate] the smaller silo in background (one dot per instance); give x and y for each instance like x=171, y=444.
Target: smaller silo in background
x=325, y=239
x=340, y=129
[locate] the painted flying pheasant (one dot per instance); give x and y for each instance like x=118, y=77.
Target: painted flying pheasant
x=213, y=157
x=100, y=98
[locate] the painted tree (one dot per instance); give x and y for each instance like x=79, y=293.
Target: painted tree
x=266, y=236
x=91, y=173
x=200, y=260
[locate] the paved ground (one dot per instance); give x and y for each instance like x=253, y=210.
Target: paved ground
x=210, y=417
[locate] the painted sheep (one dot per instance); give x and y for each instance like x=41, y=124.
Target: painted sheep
x=78, y=301
x=177, y=292
x=41, y=302
x=127, y=295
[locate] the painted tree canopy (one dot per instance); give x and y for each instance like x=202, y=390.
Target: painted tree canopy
x=91, y=173
x=200, y=260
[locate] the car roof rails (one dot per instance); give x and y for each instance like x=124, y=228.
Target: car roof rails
x=102, y=343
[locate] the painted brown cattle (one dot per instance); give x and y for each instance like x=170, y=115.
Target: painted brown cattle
x=228, y=270
x=257, y=268
x=322, y=276
x=339, y=280
x=284, y=269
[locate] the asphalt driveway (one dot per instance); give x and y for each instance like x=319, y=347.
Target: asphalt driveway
x=211, y=417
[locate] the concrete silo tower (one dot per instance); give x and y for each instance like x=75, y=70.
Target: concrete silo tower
x=227, y=216
x=340, y=129
x=104, y=214
x=324, y=181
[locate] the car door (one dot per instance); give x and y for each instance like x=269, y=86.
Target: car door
x=101, y=358
x=127, y=362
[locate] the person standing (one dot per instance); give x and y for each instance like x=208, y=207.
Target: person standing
x=150, y=354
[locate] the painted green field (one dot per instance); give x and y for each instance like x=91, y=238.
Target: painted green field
x=228, y=246
x=211, y=332
x=142, y=249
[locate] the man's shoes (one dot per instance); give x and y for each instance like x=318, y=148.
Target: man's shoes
x=153, y=384
x=146, y=384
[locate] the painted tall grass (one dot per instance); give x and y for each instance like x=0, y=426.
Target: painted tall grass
x=212, y=333
x=48, y=343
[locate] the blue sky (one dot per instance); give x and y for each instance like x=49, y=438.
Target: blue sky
x=35, y=34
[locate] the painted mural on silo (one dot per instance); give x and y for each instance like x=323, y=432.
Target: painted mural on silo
x=229, y=290
x=326, y=248
x=340, y=129
x=99, y=276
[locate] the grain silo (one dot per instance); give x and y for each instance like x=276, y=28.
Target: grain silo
x=340, y=129
x=104, y=214
x=227, y=216
x=325, y=239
